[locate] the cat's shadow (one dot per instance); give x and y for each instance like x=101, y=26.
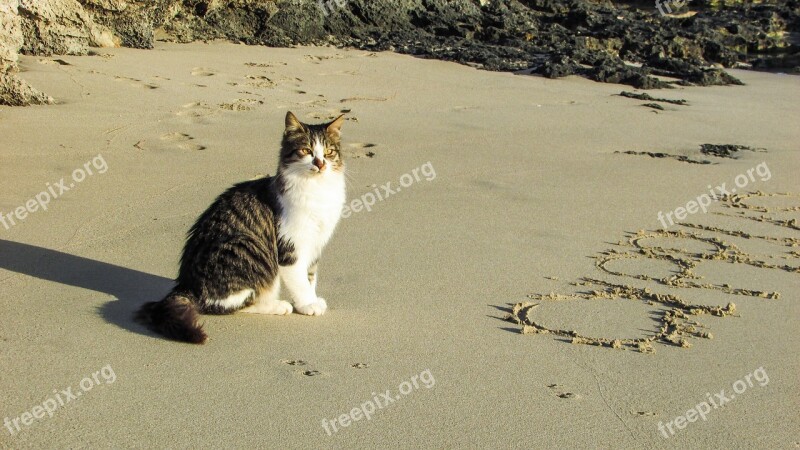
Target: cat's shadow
x=130, y=287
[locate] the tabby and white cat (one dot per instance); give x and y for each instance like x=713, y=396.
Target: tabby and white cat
x=258, y=234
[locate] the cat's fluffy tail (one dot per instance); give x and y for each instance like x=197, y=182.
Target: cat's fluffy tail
x=176, y=317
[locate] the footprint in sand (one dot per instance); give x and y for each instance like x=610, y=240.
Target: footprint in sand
x=340, y=72
x=203, y=72
x=294, y=362
x=314, y=59
x=330, y=114
x=260, y=81
x=192, y=147
x=168, y=141
x=317, y=102
x=265, y=64
x=299, y=363
x=558, y=389
x=135, y=82
x=241, y=104
x=197, y=112
x=568, y=395
x=195, y=109
x=348, y=116
x=176, y=137
x=359, y=150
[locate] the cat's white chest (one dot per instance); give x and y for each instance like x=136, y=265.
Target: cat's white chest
x=310, y=211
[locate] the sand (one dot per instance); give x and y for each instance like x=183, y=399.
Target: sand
x=515, y=229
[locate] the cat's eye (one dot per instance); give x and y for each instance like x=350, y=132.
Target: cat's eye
x=329, y=152
x=304, y=152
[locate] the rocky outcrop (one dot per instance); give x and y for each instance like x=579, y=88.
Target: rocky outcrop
x=60, y=27
x=236, y=20
x=10, y=35
x=635, y=43
x=13, y=90
x=131, y=22
x=606, y=41
x=16, y=92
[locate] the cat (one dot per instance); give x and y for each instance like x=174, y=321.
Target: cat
x=257, y=235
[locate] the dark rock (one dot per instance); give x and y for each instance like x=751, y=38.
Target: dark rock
x=654, y=106
x=627, y=42
x=723, y=150
x=554, y=38
x=680, y=158
x=648, y=97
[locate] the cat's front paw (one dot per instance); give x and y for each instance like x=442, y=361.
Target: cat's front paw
x=276, y=307
x=317, y=308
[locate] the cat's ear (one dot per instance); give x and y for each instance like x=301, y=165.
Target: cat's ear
x=292, y=124
x=335, y=127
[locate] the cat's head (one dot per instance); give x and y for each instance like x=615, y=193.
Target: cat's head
x=311, y=150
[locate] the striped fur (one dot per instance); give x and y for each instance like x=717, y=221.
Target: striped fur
x=257, y=234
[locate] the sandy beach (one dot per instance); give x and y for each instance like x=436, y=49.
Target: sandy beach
x=522, y=283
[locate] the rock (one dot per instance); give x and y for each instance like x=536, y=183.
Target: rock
x=647, y=97
x=10, y=35
x=595, y=39
x=47, y=27
x=616, y=42
x=60, y=27
x=14, y=91
x=724, y=150
x=654, y=106
x=236, y=20
x=131, y=22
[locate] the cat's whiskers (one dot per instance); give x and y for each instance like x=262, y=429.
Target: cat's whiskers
x=348, y=176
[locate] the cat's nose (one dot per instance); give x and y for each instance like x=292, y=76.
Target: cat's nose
x=320, y=164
